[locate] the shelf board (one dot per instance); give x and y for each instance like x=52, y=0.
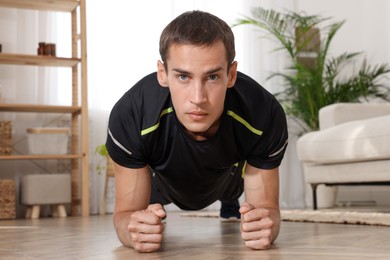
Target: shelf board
x=46, y=5
x=39, y=108
x=37, y=60
x=39, y=156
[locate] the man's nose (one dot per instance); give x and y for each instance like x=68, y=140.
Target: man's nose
x=199, y=93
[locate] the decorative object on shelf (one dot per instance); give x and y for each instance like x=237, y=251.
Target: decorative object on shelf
x=47, y=49
x=313, y=78
x=7, y=199
x=41, y=48
x=48, y=140
x=0, y=48
x=5, y=137
x=50, y=49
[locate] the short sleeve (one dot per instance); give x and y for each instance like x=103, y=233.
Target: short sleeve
x=123, y=135
x=269, y=151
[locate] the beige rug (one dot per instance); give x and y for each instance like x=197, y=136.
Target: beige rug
x=320, y=216
x=339, y=217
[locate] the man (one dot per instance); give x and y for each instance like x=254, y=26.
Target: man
x=195, y=132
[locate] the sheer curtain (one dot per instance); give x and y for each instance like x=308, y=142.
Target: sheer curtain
x=123, y=47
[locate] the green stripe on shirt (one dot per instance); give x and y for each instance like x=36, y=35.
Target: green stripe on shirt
x=152, y=128
x=245, y=123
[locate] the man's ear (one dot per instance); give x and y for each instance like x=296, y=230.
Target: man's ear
x=232, y=74
x=161, y=74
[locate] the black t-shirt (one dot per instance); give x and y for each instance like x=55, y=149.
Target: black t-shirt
x=144, y=130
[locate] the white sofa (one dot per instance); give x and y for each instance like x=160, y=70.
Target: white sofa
x=352, y=147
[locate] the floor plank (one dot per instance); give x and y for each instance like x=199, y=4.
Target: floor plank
x=187, y=238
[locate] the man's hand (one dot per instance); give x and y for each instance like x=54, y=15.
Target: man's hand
x=259, y=226
x=146, y=228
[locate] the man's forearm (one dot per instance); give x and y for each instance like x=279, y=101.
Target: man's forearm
x=121, y=222
x=275, y=216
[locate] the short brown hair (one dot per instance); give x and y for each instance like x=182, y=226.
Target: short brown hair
x=197, y=28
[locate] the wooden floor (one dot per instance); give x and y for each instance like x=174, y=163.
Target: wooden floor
x=187, y=238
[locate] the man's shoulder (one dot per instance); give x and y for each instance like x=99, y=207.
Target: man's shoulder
x=146, y=92
x=249, y=99
x=244, y=77
x=146, y=83
x=247, y=82
x=249, y=91
x=146, y=99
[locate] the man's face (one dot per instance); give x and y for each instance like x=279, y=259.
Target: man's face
x=197, y=78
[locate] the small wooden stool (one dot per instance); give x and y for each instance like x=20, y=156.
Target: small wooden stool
x=46, y=189
x=57, y=211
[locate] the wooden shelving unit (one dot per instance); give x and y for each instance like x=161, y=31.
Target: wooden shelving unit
x=78, y=110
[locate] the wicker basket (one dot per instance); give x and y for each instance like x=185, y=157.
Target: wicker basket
x=5, y=137
x=7, y=199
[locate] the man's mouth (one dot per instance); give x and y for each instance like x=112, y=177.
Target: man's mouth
x=197, y=115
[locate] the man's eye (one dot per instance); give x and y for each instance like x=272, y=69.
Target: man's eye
x=183, y=77
x=213, y=77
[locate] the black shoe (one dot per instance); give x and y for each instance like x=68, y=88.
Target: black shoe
x=230, y=211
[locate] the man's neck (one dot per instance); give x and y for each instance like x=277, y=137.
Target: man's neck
x=201, y=136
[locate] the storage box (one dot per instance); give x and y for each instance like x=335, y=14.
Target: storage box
x=7, y=199
x=5, y=137
x=48, y=140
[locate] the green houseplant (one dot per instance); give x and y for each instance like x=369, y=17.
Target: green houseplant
x=105, y=163
x=313, y=79
x=102, y=165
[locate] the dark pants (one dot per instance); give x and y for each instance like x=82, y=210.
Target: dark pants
x=156, y=197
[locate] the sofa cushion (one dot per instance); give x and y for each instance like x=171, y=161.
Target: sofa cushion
x=339, y=113
x=361, y=140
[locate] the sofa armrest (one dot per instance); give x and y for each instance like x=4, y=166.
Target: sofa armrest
x=339, y=113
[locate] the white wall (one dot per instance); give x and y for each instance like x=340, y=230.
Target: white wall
x=366, y=27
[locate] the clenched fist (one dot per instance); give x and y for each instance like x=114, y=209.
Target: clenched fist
x=259, y=226
x=146, y=228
